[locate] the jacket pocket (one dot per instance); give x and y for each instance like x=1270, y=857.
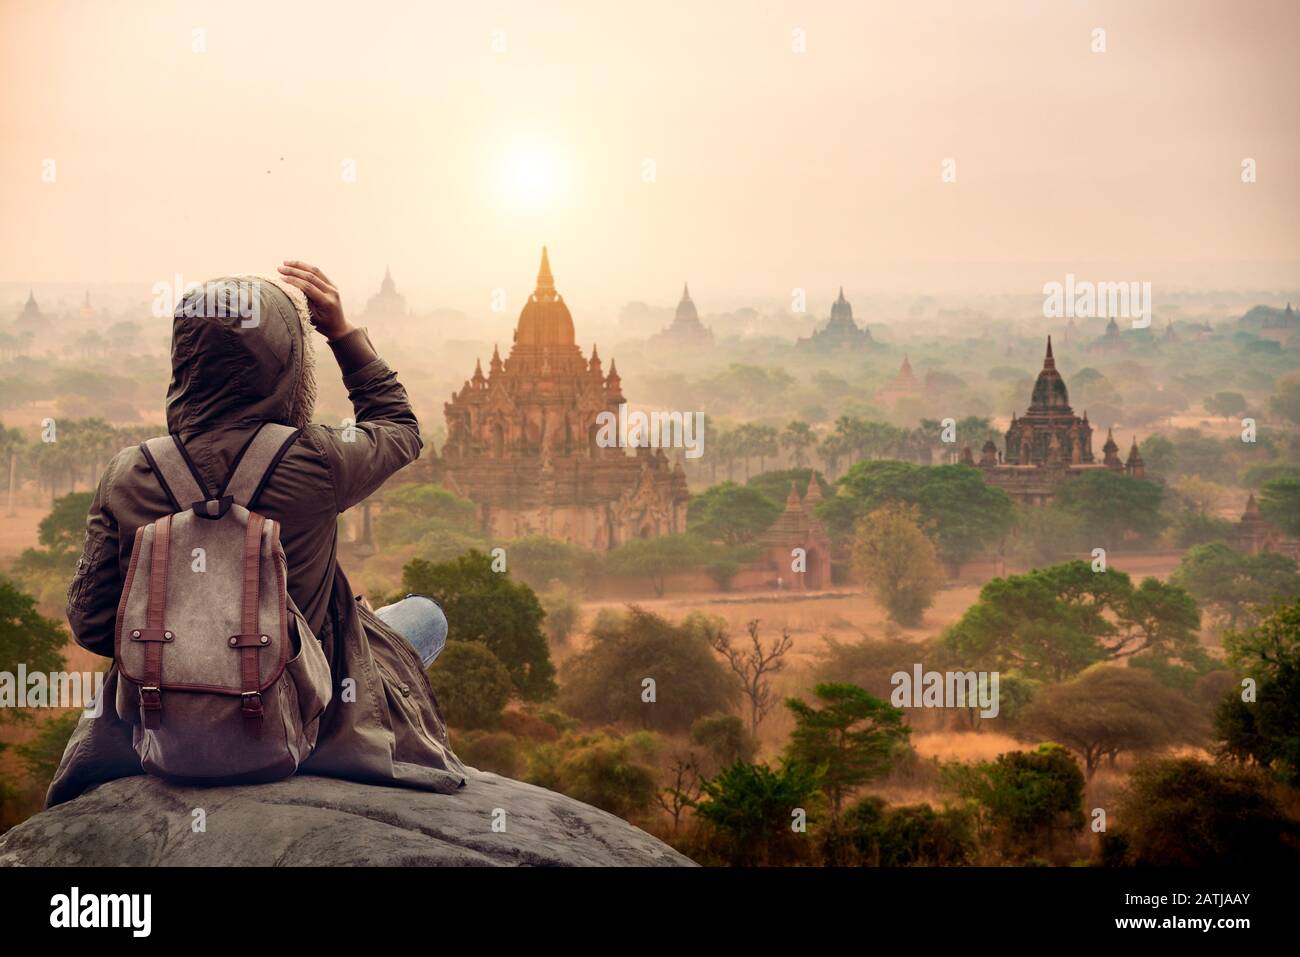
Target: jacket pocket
x=92, y=556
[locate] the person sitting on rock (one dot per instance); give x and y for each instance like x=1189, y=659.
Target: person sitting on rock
x=232, y=372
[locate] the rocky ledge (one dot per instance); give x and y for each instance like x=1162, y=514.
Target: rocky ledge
x=317, y=821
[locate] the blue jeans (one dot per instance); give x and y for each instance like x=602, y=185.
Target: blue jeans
x=421, y=622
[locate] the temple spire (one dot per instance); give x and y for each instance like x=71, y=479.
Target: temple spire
x=1049, y=362
x=545, y=281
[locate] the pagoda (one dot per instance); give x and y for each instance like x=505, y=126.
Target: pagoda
x=522, y=442
x=904, y=385
x=388, y=304
x=1049, y=444
x=686, y=328
x=840, y=333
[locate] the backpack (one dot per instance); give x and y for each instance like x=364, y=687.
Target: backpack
x=219, y=673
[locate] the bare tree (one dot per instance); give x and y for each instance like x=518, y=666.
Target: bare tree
x=687, y=786
x=754, y=666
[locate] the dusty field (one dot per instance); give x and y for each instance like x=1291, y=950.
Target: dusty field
x=19, y=531
x=847, y=615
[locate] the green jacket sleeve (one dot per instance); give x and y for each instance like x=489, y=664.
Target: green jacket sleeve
x=384, y=435
x=94, y=590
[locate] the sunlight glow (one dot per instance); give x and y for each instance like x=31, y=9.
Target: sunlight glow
x=531, y=177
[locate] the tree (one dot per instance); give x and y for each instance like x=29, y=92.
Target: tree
x=1025, y=797
x=776, y=485
x=606, y=681
x=685, y=791
x=1182, y=812
x=752, y=808
x=724, y=740
x=874, y=835
x=1279, y=500
x=614, y=773
x=657, y=558
x=1286, y=400
x=853, y=738
x=471, y=684
x=731, y=513
x=63, y=530
x=486, y=606
x=413, y=512
x=11, y=447
x=563, y=613
x=753, y=664
x=1053, y=622
x=1266, y=730
x=1234, y=586
x=1107, y=710
x=26, y=638
x=958, y=509
x=797, y=438
x=1226, y=404
x=539, y=562
x=898, y=562
x=1114, y=506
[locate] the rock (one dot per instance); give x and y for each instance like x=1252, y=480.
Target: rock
x=143, y=821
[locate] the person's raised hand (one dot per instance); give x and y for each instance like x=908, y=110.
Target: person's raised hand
x=326, y=307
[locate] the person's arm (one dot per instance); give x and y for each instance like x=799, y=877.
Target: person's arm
x=95, y=588
x=386, y=434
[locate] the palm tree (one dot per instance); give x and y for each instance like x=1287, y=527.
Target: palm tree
x=11, y=443
x=766, y=443
x=796, y=438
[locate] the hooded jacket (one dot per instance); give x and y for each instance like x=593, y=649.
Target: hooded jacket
x=242, y=355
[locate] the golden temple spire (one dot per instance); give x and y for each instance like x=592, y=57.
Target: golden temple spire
x=545, y=281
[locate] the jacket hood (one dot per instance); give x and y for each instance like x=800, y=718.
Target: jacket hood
x=242, y=353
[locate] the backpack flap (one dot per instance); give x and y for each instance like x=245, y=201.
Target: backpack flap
x=200, y=597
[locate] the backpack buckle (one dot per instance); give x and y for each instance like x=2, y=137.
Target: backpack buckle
x=213, y=508
x=151, y=706
x=252, y=711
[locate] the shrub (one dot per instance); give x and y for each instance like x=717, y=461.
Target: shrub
x=471, y=684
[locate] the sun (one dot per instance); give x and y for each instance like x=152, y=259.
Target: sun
x=531, y=177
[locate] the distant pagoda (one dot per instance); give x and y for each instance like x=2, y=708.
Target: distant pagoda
x=388, y=304
x=686, y=328
x=840, y=333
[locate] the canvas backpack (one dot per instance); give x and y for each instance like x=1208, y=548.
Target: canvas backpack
x=219, y=672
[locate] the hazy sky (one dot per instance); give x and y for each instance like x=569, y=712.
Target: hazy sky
x=774, y=169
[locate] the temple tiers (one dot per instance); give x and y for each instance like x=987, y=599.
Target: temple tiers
x=1049, y=444
x=521, y=442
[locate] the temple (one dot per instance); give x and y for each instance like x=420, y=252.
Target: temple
x=685, y=329
x=388, y=304
x=798, y=527
x=522, y=442
x=1255, y=535
x=840, y=333
x=31, y=318
x=1049, y=445
x=903, y=386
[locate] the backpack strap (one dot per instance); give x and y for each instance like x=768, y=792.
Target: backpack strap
x=155, y=633
x=254, y=465
x=250, y=641
x=175, y=472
